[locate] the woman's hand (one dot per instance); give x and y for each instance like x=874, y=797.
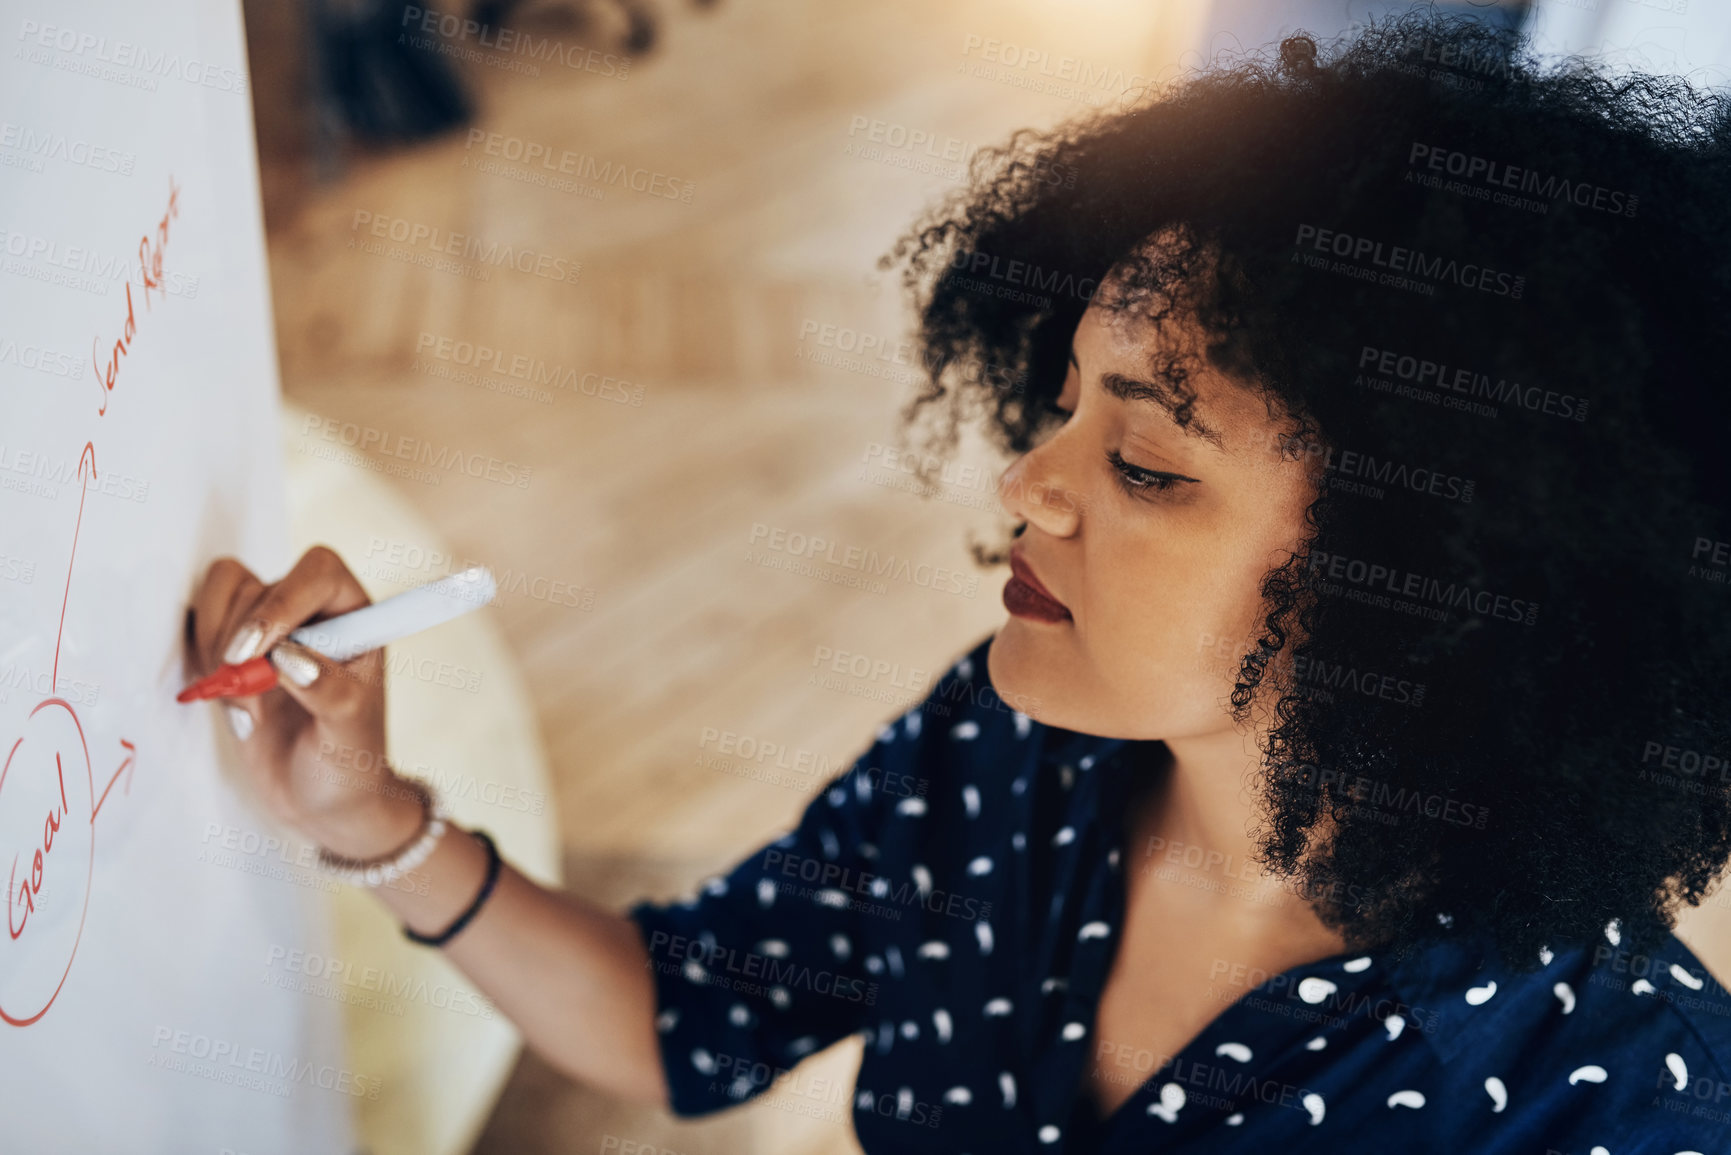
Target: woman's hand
x=573, y=976
x=314, y=745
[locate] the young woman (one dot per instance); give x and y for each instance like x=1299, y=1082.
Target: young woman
x=1359, y=727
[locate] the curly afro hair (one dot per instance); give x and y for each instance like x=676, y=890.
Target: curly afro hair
x=1490, y=294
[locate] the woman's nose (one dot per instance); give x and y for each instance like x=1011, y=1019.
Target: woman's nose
x=1033, y=490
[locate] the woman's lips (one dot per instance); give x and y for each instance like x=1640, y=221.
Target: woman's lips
x=1025, y=597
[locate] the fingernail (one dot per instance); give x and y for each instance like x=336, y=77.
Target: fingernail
x=240, y=722
x=295, y=666
x=244, y=645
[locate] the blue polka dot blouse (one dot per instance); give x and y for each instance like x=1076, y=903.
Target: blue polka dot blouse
x=954, y=899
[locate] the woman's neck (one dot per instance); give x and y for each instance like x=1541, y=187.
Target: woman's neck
x=1191, y=818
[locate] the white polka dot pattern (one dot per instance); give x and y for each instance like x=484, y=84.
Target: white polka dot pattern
x=964, y=931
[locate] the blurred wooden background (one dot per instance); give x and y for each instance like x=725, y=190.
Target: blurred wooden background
x=646, y=632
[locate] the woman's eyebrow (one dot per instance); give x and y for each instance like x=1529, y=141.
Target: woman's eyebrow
x=1180, y=408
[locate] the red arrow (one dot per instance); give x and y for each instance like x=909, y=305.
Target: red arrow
x=126, y=764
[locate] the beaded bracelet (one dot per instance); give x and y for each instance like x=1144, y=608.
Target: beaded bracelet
x=390, y=867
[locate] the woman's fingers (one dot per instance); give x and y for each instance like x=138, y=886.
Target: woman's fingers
x=228, y=586
x=318, y=586
x=240, y=719
x=346, y=741
x=235, y=617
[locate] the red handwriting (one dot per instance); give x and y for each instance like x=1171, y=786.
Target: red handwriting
x=126, y=764
x=64, y=938
x=50, y=827
x=150, y=264
x=21, y=895
x=72, y=555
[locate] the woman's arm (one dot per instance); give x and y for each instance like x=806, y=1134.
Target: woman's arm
x=571, y=975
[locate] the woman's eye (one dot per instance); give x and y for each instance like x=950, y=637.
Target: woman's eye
x=1137, y=480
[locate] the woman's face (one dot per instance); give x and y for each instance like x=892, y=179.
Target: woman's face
x=1151, y=537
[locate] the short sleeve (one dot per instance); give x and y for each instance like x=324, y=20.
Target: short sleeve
x=767, y=964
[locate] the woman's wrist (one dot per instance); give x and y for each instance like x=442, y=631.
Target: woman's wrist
x=370, y=829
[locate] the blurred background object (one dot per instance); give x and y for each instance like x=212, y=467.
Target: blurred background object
x=625, y=258
x=371, y=82
x=439, y=1049
x=1240, y=25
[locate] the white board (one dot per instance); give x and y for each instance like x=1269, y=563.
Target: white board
x=140, y=1005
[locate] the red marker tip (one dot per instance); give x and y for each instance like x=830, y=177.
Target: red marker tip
x=242, y=681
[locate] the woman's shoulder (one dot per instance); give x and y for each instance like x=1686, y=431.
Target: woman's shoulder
x=961, y=711
x=1597, y=1045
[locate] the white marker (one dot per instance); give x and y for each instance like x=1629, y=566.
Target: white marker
x=352, y=634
